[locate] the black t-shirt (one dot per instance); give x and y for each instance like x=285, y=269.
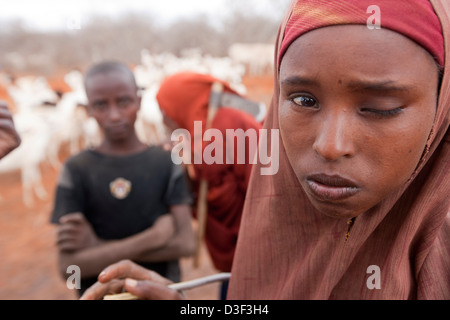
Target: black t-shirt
x=122, y=195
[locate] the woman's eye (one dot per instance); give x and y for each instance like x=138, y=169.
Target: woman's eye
x=305, y=101
x=382, y=113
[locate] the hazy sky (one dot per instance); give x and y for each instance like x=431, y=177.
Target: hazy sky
x=59, y=14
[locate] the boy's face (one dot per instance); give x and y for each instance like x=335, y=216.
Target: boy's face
x=356, y=107
x=114, y=103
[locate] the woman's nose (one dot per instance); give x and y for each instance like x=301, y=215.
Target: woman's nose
x=335, y=137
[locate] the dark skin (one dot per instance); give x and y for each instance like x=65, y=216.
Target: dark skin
x=127, y=275
x=354, y=121
x=9, y=138
x=113, y=101
x=360, y=112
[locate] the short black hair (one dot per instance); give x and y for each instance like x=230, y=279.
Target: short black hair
x=107, y=67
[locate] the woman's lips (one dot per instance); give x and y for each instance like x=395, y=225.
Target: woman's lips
x=331, y=188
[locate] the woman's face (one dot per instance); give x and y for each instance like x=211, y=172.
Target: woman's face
x=356, y=107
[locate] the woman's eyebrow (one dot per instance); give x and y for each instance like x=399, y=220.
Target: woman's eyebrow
x=390, y=86
x=297, y=80
x=384, y=86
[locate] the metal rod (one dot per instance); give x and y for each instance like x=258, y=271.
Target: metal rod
x=180, y=286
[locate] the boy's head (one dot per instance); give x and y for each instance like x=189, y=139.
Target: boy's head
x=113, y=98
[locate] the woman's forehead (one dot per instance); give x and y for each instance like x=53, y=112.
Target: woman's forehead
x=353, y=49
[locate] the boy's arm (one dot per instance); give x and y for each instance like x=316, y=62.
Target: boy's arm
x=182, y=244
x=78, y=245
x=178, y=197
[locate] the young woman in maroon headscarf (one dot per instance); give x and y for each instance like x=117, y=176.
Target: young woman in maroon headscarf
x=359, y=208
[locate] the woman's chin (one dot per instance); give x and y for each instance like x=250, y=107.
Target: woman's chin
x=337, y=210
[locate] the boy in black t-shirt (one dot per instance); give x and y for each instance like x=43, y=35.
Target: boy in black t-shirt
x=124, y=199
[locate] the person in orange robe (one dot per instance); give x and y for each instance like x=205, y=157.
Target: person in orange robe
x=184, y=98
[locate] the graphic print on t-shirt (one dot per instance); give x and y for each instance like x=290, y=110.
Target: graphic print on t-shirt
x=120, y=188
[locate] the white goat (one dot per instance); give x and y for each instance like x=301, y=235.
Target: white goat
x=29, y=155
x=256, y=57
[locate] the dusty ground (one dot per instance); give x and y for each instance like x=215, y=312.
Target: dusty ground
x=28, y=268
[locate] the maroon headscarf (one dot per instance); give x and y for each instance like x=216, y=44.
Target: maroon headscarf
x=414, y=19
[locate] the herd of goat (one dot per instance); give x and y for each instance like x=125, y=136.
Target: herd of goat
x=46, y=121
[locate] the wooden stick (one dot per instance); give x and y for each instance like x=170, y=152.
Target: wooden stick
x=120, y=296
x=202, y=212
x=202, y=204
x=180, y=286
